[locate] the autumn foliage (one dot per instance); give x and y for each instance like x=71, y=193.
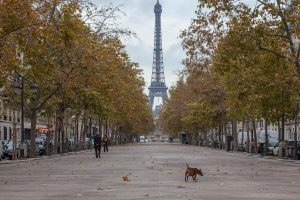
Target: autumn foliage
x=242, y=64
x=71, y=50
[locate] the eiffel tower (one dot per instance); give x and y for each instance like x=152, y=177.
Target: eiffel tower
x=158, y=86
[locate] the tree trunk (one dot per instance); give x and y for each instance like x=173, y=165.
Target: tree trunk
x=279, y=130
x=14, y=157
x=90, y=132
x=82, y=131
x=100, y=127
x=220, y=135
x=33, y=119
x=282, y=128
x=62, y=130
x=55, y=135
x=226, y=139
x=266, y=137
x=295, y=133
x=243, y=126
x=248, y=136
x=235, y=134
x=255, y=135
x=59, y=134
x=77, y=130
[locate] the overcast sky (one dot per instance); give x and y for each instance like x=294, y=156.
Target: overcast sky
x=176, y=16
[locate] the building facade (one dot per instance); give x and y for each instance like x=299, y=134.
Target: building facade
x=7, y=123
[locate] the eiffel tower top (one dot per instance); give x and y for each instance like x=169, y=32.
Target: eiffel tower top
x=157, y=7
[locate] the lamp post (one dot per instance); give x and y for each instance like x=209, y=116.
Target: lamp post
x=22, y=110
x=19, y=85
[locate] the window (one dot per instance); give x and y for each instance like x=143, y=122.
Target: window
x=10, y=133
x=5, y=133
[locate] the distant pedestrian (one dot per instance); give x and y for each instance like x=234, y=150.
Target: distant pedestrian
x=97, y=145
x=105, y=143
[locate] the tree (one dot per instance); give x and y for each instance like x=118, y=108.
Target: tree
x=67, y=50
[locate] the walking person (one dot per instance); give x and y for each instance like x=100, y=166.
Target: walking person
x=105, y=143
x=97, y=145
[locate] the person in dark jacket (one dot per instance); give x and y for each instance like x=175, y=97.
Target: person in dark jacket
x=105, y=143
x=97, y=145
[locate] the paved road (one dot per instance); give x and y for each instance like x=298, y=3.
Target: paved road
x=154, y=172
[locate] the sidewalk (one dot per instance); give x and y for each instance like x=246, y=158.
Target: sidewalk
x=151, y=171
x=258, y=156
x=8, y=162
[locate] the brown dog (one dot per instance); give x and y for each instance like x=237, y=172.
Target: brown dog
x=192, y=172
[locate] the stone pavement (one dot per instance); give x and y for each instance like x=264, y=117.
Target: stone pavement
x=150, y=171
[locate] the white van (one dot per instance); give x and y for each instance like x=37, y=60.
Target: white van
x=142, y=139
x=272, y=136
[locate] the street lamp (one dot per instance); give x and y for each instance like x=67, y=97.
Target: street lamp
x=18, y=85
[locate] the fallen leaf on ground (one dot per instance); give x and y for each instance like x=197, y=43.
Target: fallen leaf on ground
x=180, y=186
x=221, y=184
x=146, y=195
x=125, y=178
x=100, y=188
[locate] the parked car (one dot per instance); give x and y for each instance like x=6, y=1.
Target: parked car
x=8, y=149
x=291, y=147
x=40, y=146
x=271, y=147
x=71, y=145
x=4, y=143
x=276, y=150
x=89, y=143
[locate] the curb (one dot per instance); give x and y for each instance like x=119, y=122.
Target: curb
x=9, y=162
x=245, y=154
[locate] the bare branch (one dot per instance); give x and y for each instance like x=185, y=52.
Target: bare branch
x=286, y=27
